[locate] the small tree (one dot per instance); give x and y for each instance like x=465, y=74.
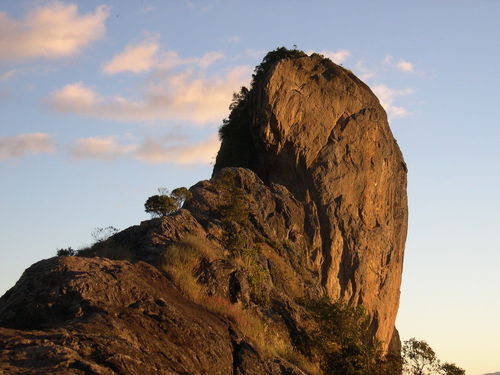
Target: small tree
x=451, y=369
x=160, y=205
x=165, y=204
x=343, y=339
x=419, y=358
x=69, y=252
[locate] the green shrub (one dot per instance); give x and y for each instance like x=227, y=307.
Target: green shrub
x=343, y=340
x=272, y=57
x=68, y=252
x=164, y=204
x=160, y=205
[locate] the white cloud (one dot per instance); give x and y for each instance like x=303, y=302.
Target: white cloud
x=405, y=66
x=135, y=58
x=386, y=96
x=52, y=31
x=154, y=151
x=7, y=75
x=338, y=57
x=74, y=97
x=187, y=96
x=172, y=150
x=22, y=144
x=104, y=148
x=171, y=59
x=363, y=72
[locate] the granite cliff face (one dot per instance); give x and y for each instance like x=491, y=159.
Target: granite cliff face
x=319, y=131
x=308, y=199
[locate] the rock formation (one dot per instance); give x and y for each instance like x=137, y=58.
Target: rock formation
x=319, y=131
x=77, y=315
x=308, y=199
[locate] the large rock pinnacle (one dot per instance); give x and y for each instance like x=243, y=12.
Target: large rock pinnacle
x=234, y=282
x=315, y=128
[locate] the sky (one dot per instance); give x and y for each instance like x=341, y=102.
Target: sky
x=102, y=102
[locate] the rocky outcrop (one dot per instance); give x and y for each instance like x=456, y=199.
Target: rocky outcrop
x=72, y=315
x=307, y=200
x=320, y=132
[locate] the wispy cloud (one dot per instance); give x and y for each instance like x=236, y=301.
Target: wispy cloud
x=150, y=150
x=155, y=151
x=386, y=96
x=135, y=58
x=104, y=148
x=186, y=96
x=7, y=75
x=146, y=56
x=52, y=31
x=337, y=57
x=171, y=59
x=23, y=144
x=364, y=72
x=403, y=65
x=209, y=58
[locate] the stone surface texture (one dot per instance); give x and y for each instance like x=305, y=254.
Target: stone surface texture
x=72, y=315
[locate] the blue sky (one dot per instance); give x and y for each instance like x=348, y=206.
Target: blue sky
x=102, y=102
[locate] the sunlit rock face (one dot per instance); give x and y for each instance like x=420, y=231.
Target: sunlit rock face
x=316, y=129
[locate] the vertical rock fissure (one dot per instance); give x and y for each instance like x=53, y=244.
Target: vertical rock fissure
x=236, y=347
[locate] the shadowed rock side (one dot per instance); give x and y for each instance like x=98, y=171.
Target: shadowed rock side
x=74, y=315
x=319, y=131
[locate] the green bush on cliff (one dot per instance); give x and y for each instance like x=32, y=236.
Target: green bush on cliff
x=272, y=57
x=68, y=252
x=342, y=339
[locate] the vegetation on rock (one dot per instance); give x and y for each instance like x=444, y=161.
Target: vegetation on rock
x=420, y=359
x=68, y=252
x=164, y=204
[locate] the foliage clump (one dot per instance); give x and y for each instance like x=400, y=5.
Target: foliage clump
x=164, y=204
x=68, y=252
x=272, y=57
x=342, y=339
x=420, y=359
